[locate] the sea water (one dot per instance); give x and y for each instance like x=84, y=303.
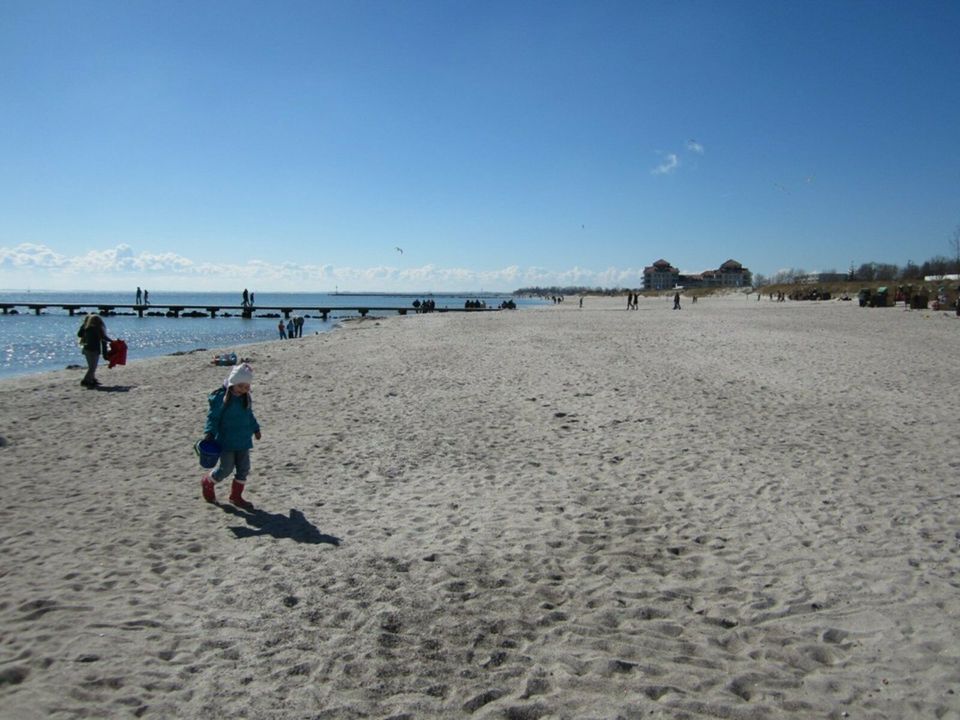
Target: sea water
x=33, y=343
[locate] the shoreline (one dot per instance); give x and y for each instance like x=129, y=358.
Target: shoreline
x=45, y=343
x=732, y=510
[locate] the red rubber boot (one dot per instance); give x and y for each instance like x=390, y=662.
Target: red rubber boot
x=206, y=487
x=236, y=496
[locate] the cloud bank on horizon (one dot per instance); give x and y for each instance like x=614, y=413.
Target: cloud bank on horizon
x=34, y=266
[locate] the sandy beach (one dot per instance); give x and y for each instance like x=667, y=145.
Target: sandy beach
x=740, y=509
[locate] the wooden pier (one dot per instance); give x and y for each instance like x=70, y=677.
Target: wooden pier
x=245, y=311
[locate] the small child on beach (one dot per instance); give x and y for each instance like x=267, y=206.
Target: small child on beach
x=231, y=422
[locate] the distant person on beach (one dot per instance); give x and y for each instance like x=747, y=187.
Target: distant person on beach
x=281, y=328
x=93, y=339
x=251, y=299
x=231, y=423
x=298, y=325
x=676, y=301
x=139, y=297
x=291, y=330
x=146, y=296
x=246, y=297
x=581, y=302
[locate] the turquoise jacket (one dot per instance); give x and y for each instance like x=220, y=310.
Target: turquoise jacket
x=231, y=423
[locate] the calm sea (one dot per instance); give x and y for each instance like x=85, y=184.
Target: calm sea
x=37, y=343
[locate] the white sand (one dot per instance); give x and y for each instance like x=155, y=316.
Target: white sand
x=739, y=510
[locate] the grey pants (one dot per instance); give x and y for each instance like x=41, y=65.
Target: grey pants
x=92, y=359
x=230, y=459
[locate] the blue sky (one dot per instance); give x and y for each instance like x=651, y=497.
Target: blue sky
x=297, y=145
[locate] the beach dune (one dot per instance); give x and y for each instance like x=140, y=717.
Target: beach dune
x=740, y=509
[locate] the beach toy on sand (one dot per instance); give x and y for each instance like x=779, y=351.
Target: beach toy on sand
x=225, y=359
x=208, y=451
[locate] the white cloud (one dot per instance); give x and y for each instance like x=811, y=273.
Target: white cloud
x=670, y=163
x=28, y=255
x=120, y=267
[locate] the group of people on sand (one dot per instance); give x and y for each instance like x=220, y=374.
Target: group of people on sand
x=292, y=329
x=633, y=300
x=424, y=306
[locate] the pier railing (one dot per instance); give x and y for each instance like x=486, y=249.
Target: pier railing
x=245, y=311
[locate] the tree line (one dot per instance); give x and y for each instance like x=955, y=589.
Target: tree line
x=937, y=266
x=869, y=271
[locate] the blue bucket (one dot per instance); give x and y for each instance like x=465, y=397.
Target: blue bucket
x=208, y=451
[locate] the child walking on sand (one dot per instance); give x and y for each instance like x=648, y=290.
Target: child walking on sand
x=231, y=422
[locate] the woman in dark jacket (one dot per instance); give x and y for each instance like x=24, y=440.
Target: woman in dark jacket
x=93, y=340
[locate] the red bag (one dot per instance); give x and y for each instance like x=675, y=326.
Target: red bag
x=117, y=353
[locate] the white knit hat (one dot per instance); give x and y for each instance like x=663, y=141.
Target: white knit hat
x=241, y=373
